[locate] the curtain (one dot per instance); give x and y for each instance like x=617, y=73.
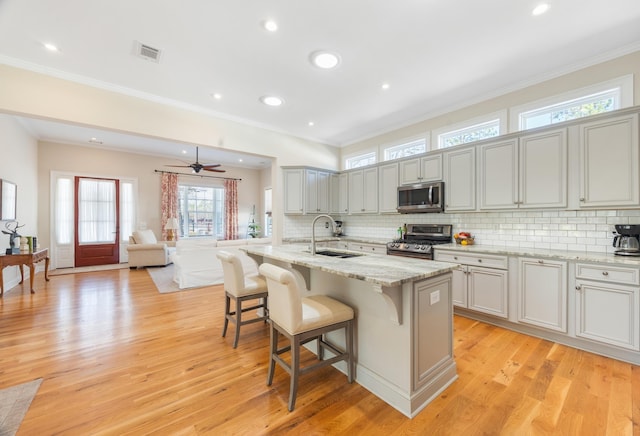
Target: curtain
x=231, y=209
x=169, y=205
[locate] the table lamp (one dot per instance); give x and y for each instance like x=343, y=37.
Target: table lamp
x=171, y=226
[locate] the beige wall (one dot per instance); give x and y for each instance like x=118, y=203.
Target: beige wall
x=629, y=64
x=18, y=164
x=89, y=161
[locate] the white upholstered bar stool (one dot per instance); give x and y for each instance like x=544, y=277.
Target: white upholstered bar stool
x=301, y=320
x=240, y=288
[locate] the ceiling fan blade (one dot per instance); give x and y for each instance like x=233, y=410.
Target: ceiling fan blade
x=179, y=166
x=214, y=170
x=210, y=165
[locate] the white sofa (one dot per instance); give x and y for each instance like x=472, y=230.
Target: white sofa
x=145, y=250
x=195, y=262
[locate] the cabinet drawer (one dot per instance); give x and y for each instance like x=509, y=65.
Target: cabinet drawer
x=486, y=260
x=609, y=274
x=367, y=248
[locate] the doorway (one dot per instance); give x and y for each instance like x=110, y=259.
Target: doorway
x=97, y=226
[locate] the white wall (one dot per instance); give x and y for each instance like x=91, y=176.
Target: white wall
x=18, y=164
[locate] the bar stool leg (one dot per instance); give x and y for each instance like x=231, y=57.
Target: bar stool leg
x=295, y=371
x=227, y=304
x=273, y=347
x=238, y=321
x=349, y=344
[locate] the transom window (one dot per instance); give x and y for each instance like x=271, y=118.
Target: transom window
x=570, y=110
x=410, y=148
x=476, y=132
x=201, y=211
x=360, y=160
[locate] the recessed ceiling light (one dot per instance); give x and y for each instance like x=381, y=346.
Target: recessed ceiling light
x=216, y=96
x=311, y=124
x=50, y=47
x=270, y=25
x=240, y=160
x=324, y=59
x=385, y=86
x=540, y=9
x=271, y=100
x=184, y=151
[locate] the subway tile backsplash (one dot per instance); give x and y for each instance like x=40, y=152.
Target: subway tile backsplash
x=561, y=230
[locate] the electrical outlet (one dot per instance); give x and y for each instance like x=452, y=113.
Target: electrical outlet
x=326, y=225
x=434, y=297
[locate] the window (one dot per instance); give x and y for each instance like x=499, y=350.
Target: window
x=201, y=211
x=596, y=99
x=64, y=207
x=476, y=132
x=405, y=149
x=360, y=160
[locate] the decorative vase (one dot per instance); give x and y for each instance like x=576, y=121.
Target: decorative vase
x=24, y=244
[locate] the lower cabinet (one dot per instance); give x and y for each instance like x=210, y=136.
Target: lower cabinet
x=542, y=293
x=608, y=310
x=480, y=288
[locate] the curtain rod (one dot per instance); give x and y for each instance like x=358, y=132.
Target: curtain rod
x=198, y=175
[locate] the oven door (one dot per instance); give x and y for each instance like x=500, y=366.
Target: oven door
x=426, y=256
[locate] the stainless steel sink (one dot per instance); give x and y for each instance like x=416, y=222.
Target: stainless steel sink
x=338, y=254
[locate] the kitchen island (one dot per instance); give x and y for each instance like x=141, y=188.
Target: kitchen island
x=404, y=317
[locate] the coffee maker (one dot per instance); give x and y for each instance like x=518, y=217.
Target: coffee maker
x=627, y=239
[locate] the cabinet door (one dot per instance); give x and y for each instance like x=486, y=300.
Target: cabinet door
x=608, y=313
x=356, y=192
x=499, y=175
x=488, y=291
x=339, y=194
x=609, y=162
x=543, y=170
x=431, y=168
x=388, y=188
x=460, y=180
x=294, y=191
x=311, y=192
x=322, y=191
x=459, y=287
x=370, y=194
x=410, y=172
x=542, y=293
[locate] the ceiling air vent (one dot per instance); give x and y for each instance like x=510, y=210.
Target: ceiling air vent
x=147, y=52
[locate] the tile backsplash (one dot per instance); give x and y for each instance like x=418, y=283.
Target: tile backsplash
x=561, y=230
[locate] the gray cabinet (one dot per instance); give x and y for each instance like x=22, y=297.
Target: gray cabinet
x=542, y=293
x=363, y=191
x=339, y=193
x=609, y=172
x=460, y=180
x=317, y=189
x=388, y=188
x=525, y=172
x=608, y=305
x=423, y=169
x=481, y=284
x=294, y=182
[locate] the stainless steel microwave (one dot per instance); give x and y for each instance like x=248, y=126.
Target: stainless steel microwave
x=421, y=198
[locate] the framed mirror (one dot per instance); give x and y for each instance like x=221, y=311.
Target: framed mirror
x=8, y=200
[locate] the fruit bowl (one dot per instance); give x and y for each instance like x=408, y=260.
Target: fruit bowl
x=465, y=241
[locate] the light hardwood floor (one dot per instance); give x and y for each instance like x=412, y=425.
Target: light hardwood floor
x=117, y=357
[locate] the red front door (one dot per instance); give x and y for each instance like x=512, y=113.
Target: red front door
x=97, y=221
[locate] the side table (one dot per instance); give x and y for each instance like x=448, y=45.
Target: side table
x=22, y=259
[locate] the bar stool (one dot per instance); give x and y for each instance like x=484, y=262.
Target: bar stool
x=240, y=288
x=302, y=320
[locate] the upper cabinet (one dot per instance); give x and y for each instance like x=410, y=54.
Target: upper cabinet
x=388, y=188
x=339, y=193
x=363, y=191
x=460, y=180
x=608, y=170
x=525, y=172
x=419, y=170
x=317, y=191
x=306, y=191
x=293, y=191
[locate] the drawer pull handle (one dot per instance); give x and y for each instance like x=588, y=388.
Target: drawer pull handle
x=455, y=257
x=541, y=261
x=480, y=260
x=605, y=273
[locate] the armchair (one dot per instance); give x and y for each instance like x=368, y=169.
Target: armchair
x=145, y=250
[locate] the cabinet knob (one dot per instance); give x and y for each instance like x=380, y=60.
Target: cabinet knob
x=605, y=273
x=541, y=261
x=479, y=260
x=578, y=288
x=582, y=199
x=455, y=257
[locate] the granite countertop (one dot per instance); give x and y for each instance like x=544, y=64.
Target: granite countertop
x=379, y=269
x=359, y=239
x=541, y=252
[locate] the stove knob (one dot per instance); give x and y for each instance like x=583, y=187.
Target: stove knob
x=422, y=247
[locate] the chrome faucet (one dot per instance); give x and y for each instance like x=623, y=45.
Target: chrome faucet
x=313, y=231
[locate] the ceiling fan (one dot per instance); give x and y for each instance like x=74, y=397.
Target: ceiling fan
x=197, y=166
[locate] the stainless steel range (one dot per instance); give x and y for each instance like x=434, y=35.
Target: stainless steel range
x=419, y=239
